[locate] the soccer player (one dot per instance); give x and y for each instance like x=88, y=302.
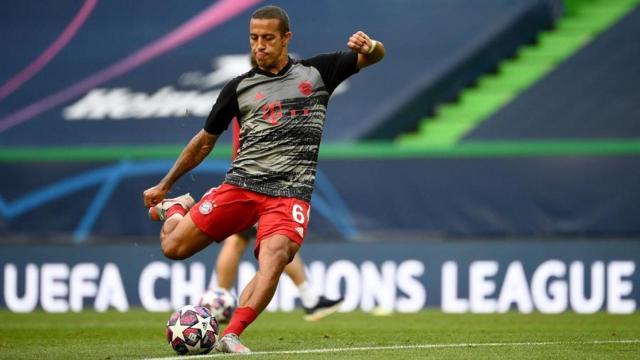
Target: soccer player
x=281, y=105
x=315, y=306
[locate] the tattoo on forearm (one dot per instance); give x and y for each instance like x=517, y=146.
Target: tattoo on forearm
x=192, y=155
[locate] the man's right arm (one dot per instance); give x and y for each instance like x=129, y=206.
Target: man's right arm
x=191, y=156
x=224, y=109
x=369, y=51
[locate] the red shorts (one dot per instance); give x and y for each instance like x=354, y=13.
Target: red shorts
x=226, y=210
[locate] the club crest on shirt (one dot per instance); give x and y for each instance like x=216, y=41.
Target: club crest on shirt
x=306, y=88
x=206, y=207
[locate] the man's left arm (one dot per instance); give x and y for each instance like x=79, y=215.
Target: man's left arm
x=369, y=51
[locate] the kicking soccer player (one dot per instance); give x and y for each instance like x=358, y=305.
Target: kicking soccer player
x=315, y=306
x=281, y=105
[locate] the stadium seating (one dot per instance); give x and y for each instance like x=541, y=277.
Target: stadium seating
x=587, y=97
x=584, y=21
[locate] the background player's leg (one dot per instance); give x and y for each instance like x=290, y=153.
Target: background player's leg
x=295, y=270
x=315, y=306
x=275, y=253
x=180, y=237
x=229, y=259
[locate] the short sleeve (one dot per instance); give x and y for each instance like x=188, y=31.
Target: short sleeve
x=224, y=110
x=335, y=67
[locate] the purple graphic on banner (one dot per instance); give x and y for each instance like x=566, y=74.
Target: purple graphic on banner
x=213, y=16
x=32, y=69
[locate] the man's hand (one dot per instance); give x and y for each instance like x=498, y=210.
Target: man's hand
x=154, y=195
x=369, y=51
x=360, y=43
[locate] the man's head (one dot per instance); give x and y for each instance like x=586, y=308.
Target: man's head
x=269, y=37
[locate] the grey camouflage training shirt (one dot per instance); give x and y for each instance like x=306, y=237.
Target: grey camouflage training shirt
x=281, y=120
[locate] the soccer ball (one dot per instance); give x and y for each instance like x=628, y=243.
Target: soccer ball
x=192, y=330
x=220, y=303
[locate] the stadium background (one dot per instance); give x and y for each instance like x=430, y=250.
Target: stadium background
x=491, y=162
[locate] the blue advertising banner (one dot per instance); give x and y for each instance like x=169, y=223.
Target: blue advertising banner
x=477, y=277
x=357, y=200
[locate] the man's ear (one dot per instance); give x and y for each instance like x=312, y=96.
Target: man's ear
x=287, y=37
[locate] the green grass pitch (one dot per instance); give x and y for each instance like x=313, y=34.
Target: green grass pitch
x=428, y=334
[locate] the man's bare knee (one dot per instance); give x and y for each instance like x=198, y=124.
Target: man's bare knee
x=278, y=254
x=184, y=240
x=176, y=247
x=171, y=248
x=280, y=257
x=275, y=255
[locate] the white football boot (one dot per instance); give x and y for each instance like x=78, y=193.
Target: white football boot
x=230, y=343
x=158, y=212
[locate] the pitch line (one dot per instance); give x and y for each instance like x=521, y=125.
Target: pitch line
x=410, y=347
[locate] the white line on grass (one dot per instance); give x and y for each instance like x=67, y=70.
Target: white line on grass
x=417, y=346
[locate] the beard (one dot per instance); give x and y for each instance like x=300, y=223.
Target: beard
x=268, y=63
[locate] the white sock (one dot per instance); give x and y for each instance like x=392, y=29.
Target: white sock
x=307, y=296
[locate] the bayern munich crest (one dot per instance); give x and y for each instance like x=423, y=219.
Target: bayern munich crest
x=206, y=207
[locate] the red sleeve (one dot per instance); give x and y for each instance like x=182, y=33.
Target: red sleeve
x=235, y=138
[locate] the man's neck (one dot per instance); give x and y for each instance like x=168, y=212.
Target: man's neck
x=278, y=66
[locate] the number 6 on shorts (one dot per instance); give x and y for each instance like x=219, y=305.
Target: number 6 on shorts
x=297, y=213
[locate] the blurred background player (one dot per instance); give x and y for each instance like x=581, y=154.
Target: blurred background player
x=315, y=306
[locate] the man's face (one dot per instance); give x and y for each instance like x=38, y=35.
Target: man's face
x=268, y=45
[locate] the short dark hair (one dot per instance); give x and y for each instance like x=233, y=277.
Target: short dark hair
x=273, y=12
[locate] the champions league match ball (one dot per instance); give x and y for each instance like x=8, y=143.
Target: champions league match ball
x=192, y=330
x=220, y=302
